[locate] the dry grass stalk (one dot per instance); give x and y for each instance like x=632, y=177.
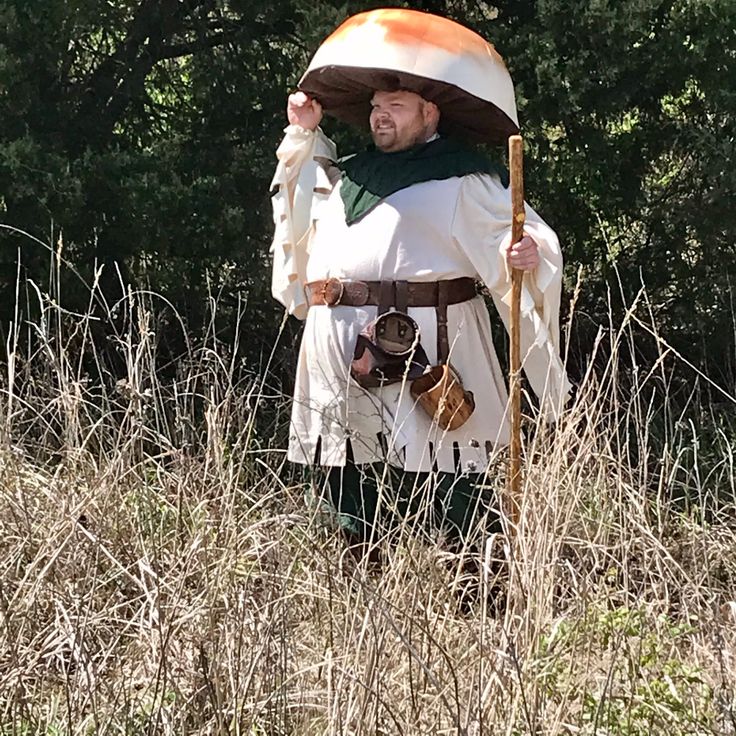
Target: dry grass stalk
x=161, y=574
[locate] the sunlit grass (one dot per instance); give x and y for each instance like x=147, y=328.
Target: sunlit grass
x=160, y=572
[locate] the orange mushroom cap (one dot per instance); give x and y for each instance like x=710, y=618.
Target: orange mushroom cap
x=435, y=57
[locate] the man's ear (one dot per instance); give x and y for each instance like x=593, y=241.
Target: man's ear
x=431, y=114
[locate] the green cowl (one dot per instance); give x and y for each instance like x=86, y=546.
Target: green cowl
x=371, y=176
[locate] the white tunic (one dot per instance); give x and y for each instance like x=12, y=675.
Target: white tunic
x=426, y=232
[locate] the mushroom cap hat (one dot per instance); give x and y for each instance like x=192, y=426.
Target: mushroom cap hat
x=439, y=59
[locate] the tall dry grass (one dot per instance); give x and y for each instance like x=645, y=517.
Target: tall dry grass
x=160, y=572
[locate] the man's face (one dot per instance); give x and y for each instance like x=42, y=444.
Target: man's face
x=400, y=120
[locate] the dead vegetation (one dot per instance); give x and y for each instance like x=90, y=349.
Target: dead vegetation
x=160, y=572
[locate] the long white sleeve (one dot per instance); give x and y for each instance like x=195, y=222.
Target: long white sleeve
x=301, y=183
x=481, y=228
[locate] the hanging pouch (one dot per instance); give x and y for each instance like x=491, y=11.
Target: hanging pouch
x=441, y=394
x=387, y=351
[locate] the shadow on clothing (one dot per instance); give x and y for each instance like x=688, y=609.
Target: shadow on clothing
x=375, y=501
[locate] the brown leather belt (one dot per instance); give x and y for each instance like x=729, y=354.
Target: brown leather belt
x=398, y=294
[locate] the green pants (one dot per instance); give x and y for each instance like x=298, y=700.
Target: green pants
x=371, y=500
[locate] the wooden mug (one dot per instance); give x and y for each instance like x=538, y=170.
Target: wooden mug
x=441, y=394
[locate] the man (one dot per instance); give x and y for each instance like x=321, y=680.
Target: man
x=419, y=210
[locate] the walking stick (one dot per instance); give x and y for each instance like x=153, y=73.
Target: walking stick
x=516, y=167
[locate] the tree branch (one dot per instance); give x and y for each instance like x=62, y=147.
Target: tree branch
x=176, y=51
x=121, y=75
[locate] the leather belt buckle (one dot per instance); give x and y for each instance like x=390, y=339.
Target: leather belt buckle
x=359, y=293
x=332, y=291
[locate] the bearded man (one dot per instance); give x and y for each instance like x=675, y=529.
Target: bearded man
x=418, y=218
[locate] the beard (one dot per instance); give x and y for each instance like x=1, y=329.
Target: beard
x=384, y=138
x=389, y=138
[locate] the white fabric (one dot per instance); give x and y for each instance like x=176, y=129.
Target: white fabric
x=422, y=44
x=301, y=185
x=429, y=231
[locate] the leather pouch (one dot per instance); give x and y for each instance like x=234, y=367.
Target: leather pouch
x=387, y=351
x=441, y=394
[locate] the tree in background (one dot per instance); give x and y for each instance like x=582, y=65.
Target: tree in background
x=629, y=110
x=143, y=133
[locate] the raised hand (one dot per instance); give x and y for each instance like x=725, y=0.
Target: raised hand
x=303, y=110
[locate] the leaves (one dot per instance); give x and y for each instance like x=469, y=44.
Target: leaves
x=145, y=131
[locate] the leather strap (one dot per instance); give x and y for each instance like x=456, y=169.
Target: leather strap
x=443, y=343
x=401, y=302
x=385, y=296
x=333, y=292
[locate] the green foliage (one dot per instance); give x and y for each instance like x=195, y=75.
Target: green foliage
x=636, y=684
x=627, y=108
x=144, y=132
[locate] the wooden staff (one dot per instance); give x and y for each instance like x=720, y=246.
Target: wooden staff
x=516, y=166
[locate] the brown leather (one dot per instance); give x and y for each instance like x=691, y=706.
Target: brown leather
x=440, y=393
x=443, y=342
x=386, y=296
x=388, y=351
x=416, y=294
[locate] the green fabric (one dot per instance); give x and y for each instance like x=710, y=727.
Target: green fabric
x=373, y=175
x=370, y=500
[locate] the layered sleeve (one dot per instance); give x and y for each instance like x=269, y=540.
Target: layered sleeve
x=302, y=182
x=481, y=228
